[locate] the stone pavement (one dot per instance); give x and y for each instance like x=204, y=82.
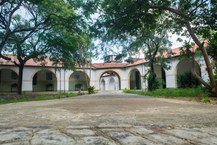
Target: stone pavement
x=108, y=135
x=108, y=119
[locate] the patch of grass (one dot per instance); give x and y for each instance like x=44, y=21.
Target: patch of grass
x=197, y=94
x=13, y=98
x=191, y=92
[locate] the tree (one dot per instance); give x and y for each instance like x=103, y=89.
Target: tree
x=137, y=33
x=193, y=14
x=212, y=51
x=156, y=52
x=155, y=48
x=192, y=18
x=38, y=30
x=212, y=47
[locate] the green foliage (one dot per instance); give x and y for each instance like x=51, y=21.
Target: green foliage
x=91, y=90
x=206, y=99
x=5, y=98
x=44, y=30
x=129, y=60
x=171, y=93
x=153, y=83
x=138, y=30
x=212, y=47
x=187, y=80
x=196, y=94
x=126, y=20
x=51, y=29
x=212, y=51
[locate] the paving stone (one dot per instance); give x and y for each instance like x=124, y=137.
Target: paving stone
x=11, y=135
x=167, y=139
x=78, y=127
x=194, y=136
x=50, y=137
x=96, y=140
x=212, y=135
x=211, y=131
x=108, y=119
x=108, y=130
x=17, y=143
x=140, y=130
x=114, y=126
x=127, y=138
x=80, y=132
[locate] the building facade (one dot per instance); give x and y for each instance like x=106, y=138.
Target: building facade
x=103, y=76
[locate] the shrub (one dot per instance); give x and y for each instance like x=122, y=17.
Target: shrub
x=187, y=80
x=91, y=90
x=153, y=83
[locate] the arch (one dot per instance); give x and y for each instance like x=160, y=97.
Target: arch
x=8, y=80
x=102, y=85
x=184, y=77
x=161, y=75
x=135, y=79
x=112, y=84
x=115, y=83
x=44, y=80
x=78, y=80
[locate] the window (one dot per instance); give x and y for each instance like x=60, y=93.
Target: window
x=34, y=82
x=49, y=76
x=13, y=75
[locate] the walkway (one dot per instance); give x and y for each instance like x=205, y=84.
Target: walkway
x=108, y=118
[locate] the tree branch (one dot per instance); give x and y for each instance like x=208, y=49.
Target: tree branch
x=194, y=73
x=5, y=57
x=11, y=15
x=7, y=29
x=175, y=11
x=197, y=7
x=3, y=2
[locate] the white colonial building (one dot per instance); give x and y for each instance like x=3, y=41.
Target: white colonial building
x=103, y=76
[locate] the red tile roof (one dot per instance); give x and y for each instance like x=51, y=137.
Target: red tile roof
x=109, y=65
x=30, y=62
x=48, y=62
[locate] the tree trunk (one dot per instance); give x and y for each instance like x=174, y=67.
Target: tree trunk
x=195, y=75
x=206, y=58
x=196, y=40
x=20, y=79
x=152, y=77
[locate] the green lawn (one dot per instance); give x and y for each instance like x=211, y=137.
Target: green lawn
x=13, y=98
x=199, y=94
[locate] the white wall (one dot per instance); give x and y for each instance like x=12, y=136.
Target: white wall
x=111, y=83
x=95, y=74
x=171, y=73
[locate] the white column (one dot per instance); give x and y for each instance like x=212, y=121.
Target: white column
x=27, y=79
x=171, y=74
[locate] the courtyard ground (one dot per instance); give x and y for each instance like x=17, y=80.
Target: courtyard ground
x=108, y=118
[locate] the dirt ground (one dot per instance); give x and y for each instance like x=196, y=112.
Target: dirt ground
x=94, y=115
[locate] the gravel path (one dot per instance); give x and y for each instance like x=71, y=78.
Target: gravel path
x=108, y=118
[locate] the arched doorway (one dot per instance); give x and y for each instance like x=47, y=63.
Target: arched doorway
x=102, y=85
x=78, y=81
x=185, y=79
x=44, y=80
x=111, y=81
x=161, y=75
x=135, y=79
x=112, y=84
x=8, y=80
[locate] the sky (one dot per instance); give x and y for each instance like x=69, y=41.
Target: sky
x=172, y=37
